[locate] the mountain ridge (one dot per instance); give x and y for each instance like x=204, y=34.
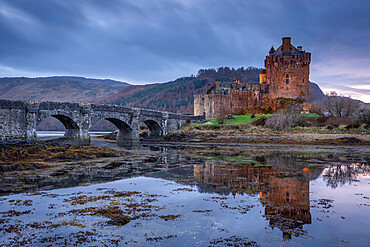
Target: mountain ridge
x=58, y=88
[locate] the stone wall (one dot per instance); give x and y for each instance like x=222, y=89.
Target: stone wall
x=12, y=120
x=214, y=105
x=12, y=124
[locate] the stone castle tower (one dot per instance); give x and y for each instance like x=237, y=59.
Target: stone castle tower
x=286, y=75
x=287, y=71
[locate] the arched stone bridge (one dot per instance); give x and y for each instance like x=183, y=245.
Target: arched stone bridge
x=18, y=120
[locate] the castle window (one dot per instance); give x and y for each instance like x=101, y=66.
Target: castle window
x=287, y=81
x=303, y=81
x=287, y=78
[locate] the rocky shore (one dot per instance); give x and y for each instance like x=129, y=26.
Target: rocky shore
x=257, y=135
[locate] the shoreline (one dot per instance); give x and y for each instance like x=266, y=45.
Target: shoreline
x=255, y=135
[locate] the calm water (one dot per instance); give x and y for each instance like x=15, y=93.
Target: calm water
x=46, y=135
x=199, y=196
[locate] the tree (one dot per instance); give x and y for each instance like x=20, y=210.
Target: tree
x=340, y=106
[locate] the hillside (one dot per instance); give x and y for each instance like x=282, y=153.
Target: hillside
x=58, y=88
x=177, y=96
x=316, y=93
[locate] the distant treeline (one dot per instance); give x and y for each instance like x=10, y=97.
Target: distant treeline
x=225, y=74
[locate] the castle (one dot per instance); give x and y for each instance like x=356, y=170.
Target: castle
x=286, y=75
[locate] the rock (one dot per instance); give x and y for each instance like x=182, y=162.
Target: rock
x=151, y=159
x=60, y=172
x=119, y=220
x=113, y=164
x=349, y=139
x=208, y=122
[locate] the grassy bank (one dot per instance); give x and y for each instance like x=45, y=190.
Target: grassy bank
x=248, y=118
x=282, y=128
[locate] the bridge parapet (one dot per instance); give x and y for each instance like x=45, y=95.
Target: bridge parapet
x=111, y=108
x=12, y=104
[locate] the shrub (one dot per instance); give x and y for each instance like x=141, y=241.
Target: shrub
x=216, y=127
x=282, y=121
x=363, y=116
x=241, y=111
x=188, y=122
x=253, y=115
x=235, y=127
x=352, y=126
x=337, y=121
x=269, y=110
x=260, y=122
x=302, y=123
x=330, y=127
x=221, y=119
x=335, y=125
x=322, y=119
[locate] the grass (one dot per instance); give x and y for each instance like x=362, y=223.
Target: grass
x=237, y=160
x=245, y=119
x=240, y=119
x=309, y=115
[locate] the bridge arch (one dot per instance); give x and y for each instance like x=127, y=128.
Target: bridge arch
x=68, y=122
x=154, y=128
x=125, y=133
x=72, y=127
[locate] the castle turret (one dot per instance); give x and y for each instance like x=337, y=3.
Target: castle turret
x=263, y=76
x=287, y=71
x=272, y=50
x=286, y=45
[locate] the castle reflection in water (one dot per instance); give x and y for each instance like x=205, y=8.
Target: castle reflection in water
x=283, y=193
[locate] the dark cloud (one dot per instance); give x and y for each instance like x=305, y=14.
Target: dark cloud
x=151, y=41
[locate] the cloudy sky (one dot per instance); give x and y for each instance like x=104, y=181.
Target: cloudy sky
x=144, y=41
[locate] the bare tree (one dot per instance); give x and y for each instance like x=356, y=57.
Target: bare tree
x=340, y=106
x=335, y=175
x=316, y=107
x=282, y=121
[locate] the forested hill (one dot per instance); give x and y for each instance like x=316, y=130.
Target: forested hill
x=58, y=88
x=177, y=96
